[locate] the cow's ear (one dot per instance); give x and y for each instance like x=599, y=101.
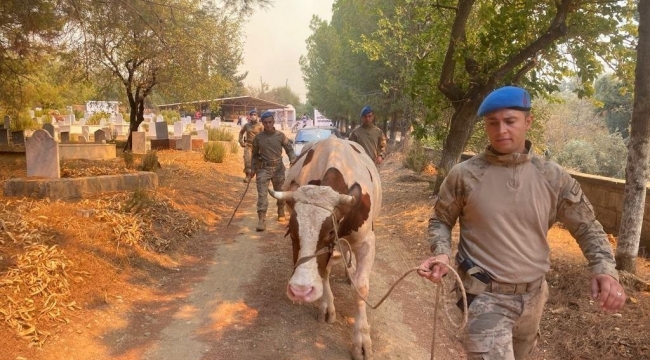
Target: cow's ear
x=355, y=191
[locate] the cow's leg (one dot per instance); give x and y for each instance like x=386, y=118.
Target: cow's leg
x=326, y=312
x=365, y=254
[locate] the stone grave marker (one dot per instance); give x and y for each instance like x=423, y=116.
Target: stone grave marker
x=18, y=138
x=161, y=130
x=85, y=132
x=4, y=137
x=49, y=128
x=42, y=155
x=160, y=118
x=108, y=133
x=65, y=136
x=100, y=136
x=186, y=142
x=203, y=134
x=152, y=129
x=199, y=125
x=7, y=122
x=178, y=128
x=216, y=123
x=138, y=143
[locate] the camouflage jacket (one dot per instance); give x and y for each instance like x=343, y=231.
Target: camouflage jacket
x=506, y=204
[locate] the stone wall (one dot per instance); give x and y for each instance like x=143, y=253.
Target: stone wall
x=606, y=196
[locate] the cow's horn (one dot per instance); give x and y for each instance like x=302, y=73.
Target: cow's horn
x=346, y=199
x=282, y=195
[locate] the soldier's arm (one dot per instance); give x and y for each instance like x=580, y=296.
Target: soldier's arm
x=577, y=215
x=286, y=144
x=445, y=213
x=255, y=153
x=241, y=134
x=381, y=147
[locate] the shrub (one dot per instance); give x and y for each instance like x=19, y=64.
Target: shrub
x=96, y=118
x=234, y=147
x=150, y=162
x=128, y=159
x=416, y=158
x=214, y=152
x=170, y=116
x=23, y=122
x=219, y=134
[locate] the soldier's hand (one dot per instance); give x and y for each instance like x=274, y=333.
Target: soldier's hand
x=608, y=292
x=433, y=269
x=379, y=160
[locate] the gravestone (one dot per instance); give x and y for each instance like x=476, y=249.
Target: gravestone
x=81, y=139
x=7, y=122
x=18, y=138
x=138, y=142
x=152, y=129
x=186, y=142
x=203, y=134
x=160, y=118
x=65, y=136
x=199, y=125
x=161, y=130
x=119, y=119
x=85, y=132
x=178, y=128
x=108, y=133
x=100, y=136
x=4, y=137
x=42, y=155
x=49, y=128
x=216, y=123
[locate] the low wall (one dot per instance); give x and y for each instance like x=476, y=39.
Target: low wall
x=606, y=195
x=75, y=188
x=87, y=151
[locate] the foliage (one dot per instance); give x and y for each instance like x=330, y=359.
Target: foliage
x=129, y=160
x=234, y=147
x=220, y=134
x=95, y=119
x=615, y=102
x=416, y=158
x=214, y=152
x=170, y=116
x=23, y=122
x=150, y=161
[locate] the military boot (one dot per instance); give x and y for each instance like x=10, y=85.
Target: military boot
x=281, y=216
x=261, y=224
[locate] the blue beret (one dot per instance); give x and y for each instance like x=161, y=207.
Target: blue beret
x=266, y=114
x=366, y=110
x=252, y=112
x=507, y=97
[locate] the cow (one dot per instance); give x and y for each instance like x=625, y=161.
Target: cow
x=333, y=181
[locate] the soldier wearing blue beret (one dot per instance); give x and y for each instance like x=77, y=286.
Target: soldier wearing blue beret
x=246, y=135
x=369, y=136
x=507, y=198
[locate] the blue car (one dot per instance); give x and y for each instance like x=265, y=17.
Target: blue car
x=309, y=134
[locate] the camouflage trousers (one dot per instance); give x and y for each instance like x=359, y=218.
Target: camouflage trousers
x=276, y=176
x=248, y=153
x=504, y=327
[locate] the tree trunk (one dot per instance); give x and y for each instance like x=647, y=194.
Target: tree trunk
x=393, y=129
x=636, y=171
x=462, y=125
x=136, y=117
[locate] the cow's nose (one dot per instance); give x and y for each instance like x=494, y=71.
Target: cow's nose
x=299, y=292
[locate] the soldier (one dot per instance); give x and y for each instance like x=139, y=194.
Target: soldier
x=369, y=136
x=268, y=166
x=507, y=198
x=246, y=136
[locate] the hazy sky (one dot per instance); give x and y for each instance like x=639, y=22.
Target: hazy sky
x=275, y=39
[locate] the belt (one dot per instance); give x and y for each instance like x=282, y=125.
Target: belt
x=271, y=163
x=514, y=289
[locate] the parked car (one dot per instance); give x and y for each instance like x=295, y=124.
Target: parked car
x=309, y=134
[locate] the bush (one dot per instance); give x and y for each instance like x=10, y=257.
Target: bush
x=150, y=161
x=170, y=116
x=416, y=158
x=234, y=147
x=219, y=134
x=214, y=152
x=96, y=118
x=23, y=122
x=128, y=159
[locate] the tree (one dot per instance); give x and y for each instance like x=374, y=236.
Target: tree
x=615, y=103
x=636, y=172
x=27, y=32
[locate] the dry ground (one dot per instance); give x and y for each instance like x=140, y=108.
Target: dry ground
x=158, y=275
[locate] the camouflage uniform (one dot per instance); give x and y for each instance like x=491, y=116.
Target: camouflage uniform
x=372, y=139
x=246, y=136
x=267, y=159
x=506, y=204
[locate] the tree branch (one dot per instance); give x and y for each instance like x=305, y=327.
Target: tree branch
x=447, y=85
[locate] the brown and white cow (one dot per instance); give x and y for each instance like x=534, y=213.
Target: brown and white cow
x=332, y=177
